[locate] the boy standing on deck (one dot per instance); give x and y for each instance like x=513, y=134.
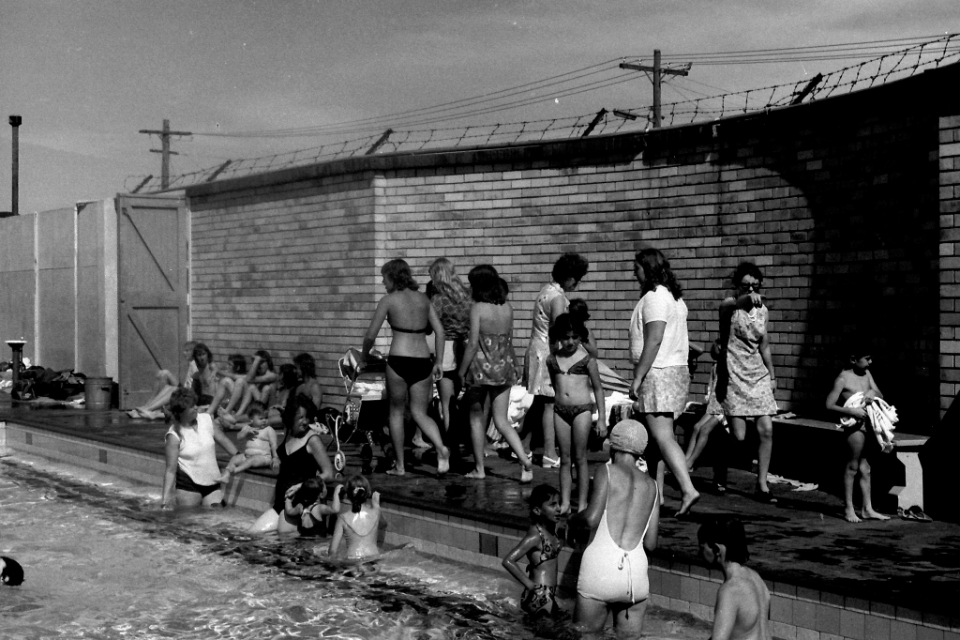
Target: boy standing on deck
x=742, y=611
x=856, y=380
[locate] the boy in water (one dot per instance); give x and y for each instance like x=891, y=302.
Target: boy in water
x=742, y=611
x=11, y=573
x=854, y=379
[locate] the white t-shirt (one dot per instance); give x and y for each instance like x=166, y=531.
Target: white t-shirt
x=198, y=451
x=659, y=305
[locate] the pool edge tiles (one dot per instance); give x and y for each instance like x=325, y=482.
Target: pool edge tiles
x=797, y=612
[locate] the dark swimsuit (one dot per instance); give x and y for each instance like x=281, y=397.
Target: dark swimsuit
x=541, y=600
x=569, y=412
x=295, y=468
x=411, y=369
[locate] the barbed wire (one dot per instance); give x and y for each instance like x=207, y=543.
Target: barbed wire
x=901, y=64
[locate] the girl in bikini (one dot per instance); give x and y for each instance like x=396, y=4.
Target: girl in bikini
x=542, y=547
x=575, y=377
x=410, y=368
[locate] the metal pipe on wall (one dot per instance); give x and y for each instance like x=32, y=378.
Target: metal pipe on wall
x=15, y=122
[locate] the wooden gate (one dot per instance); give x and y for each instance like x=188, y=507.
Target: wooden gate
x=152, y=272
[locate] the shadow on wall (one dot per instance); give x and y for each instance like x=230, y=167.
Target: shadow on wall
x=845, y=216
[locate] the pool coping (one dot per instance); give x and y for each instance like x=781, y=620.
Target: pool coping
x=797, y=612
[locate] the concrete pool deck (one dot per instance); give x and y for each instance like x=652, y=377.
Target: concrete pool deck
x=829, y=579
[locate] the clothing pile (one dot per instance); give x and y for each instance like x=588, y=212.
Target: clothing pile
x=881, y=416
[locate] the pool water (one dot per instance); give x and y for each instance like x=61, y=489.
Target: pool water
x=101, y=561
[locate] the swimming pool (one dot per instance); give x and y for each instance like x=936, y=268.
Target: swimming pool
x=103, y=562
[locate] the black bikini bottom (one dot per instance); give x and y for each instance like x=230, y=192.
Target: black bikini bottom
x=569, y=412
x=411, y=369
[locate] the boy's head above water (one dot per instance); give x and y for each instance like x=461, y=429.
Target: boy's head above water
x=11, y=573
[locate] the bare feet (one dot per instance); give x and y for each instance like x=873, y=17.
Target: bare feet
x=851, y=516
x=225, y=478
x=687, y=504
x=443, y=464
x=476, y=475
x=396, y=472
x=564, y=509
x=420, y=443
x=870, y=514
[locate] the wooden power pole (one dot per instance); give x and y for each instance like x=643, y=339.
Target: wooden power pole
x=164, y=150
x=658, y=73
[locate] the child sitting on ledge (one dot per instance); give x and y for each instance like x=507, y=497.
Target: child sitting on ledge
x=261, y=444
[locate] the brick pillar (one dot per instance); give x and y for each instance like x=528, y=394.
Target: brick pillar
x=949, y=260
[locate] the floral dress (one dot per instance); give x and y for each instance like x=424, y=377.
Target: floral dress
x=746, y=391
x=495, y=364
x=537, y=376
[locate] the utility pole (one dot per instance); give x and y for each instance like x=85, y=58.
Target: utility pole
x=15, y=122
x=658, y=73
x=164, y=150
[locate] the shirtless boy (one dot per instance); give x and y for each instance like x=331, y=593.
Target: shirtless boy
x=856, y=378
x=742, y=611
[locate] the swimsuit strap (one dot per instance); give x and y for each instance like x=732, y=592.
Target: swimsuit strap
x=547, y=550
x=425, y=330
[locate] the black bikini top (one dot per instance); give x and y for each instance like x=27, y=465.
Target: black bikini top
x=579, y=368
x=425, y=330
x=547, y=550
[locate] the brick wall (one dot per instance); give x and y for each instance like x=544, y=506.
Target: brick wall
x=286, y=269
x=837, y=202
x=949, y=179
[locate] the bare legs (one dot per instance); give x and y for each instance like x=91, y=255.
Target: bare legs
x=699, y=438
x=858, y=464
x=419, y=394
x=573, y=451
x=549, y=430
x=661, y=428
x=738, y=426
x=496, y=400
x=163, y=388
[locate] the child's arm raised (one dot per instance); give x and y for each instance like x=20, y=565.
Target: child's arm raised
x=528, y=544
x=328, y=510
x=337, y=537
x=598, y=395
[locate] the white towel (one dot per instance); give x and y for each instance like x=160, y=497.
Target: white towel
x=881, y=416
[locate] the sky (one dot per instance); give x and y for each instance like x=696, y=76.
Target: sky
x=87, y=75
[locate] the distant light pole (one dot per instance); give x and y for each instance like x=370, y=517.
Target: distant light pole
x=15, y=187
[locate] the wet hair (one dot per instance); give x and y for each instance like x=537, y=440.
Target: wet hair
x=310, y=492
x=255, y=409
x=358, y=491
x=399, y=273
x=656, y=271
x=541, y=494
x=290, y=411
x=570, y=265
x=12, y=574
x=202, y=348
x=181, y=401
x=485, y=284
x=306, y=364
x=746, y=269
x=265, y=356
x=565, y=324
x=289, y=376
x=446, y=281
x=728, y=531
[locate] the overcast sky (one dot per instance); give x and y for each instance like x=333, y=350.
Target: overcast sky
x=87, y=75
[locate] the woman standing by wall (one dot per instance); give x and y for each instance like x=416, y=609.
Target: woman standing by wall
x=410, y=368
x=659, y=350
x=746, y=378
x=567, y=273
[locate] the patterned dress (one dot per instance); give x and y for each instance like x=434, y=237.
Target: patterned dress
x=746, y=392
x=537, y=376
x=495, y=364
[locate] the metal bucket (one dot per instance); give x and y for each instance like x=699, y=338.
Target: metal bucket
x=97, y=393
